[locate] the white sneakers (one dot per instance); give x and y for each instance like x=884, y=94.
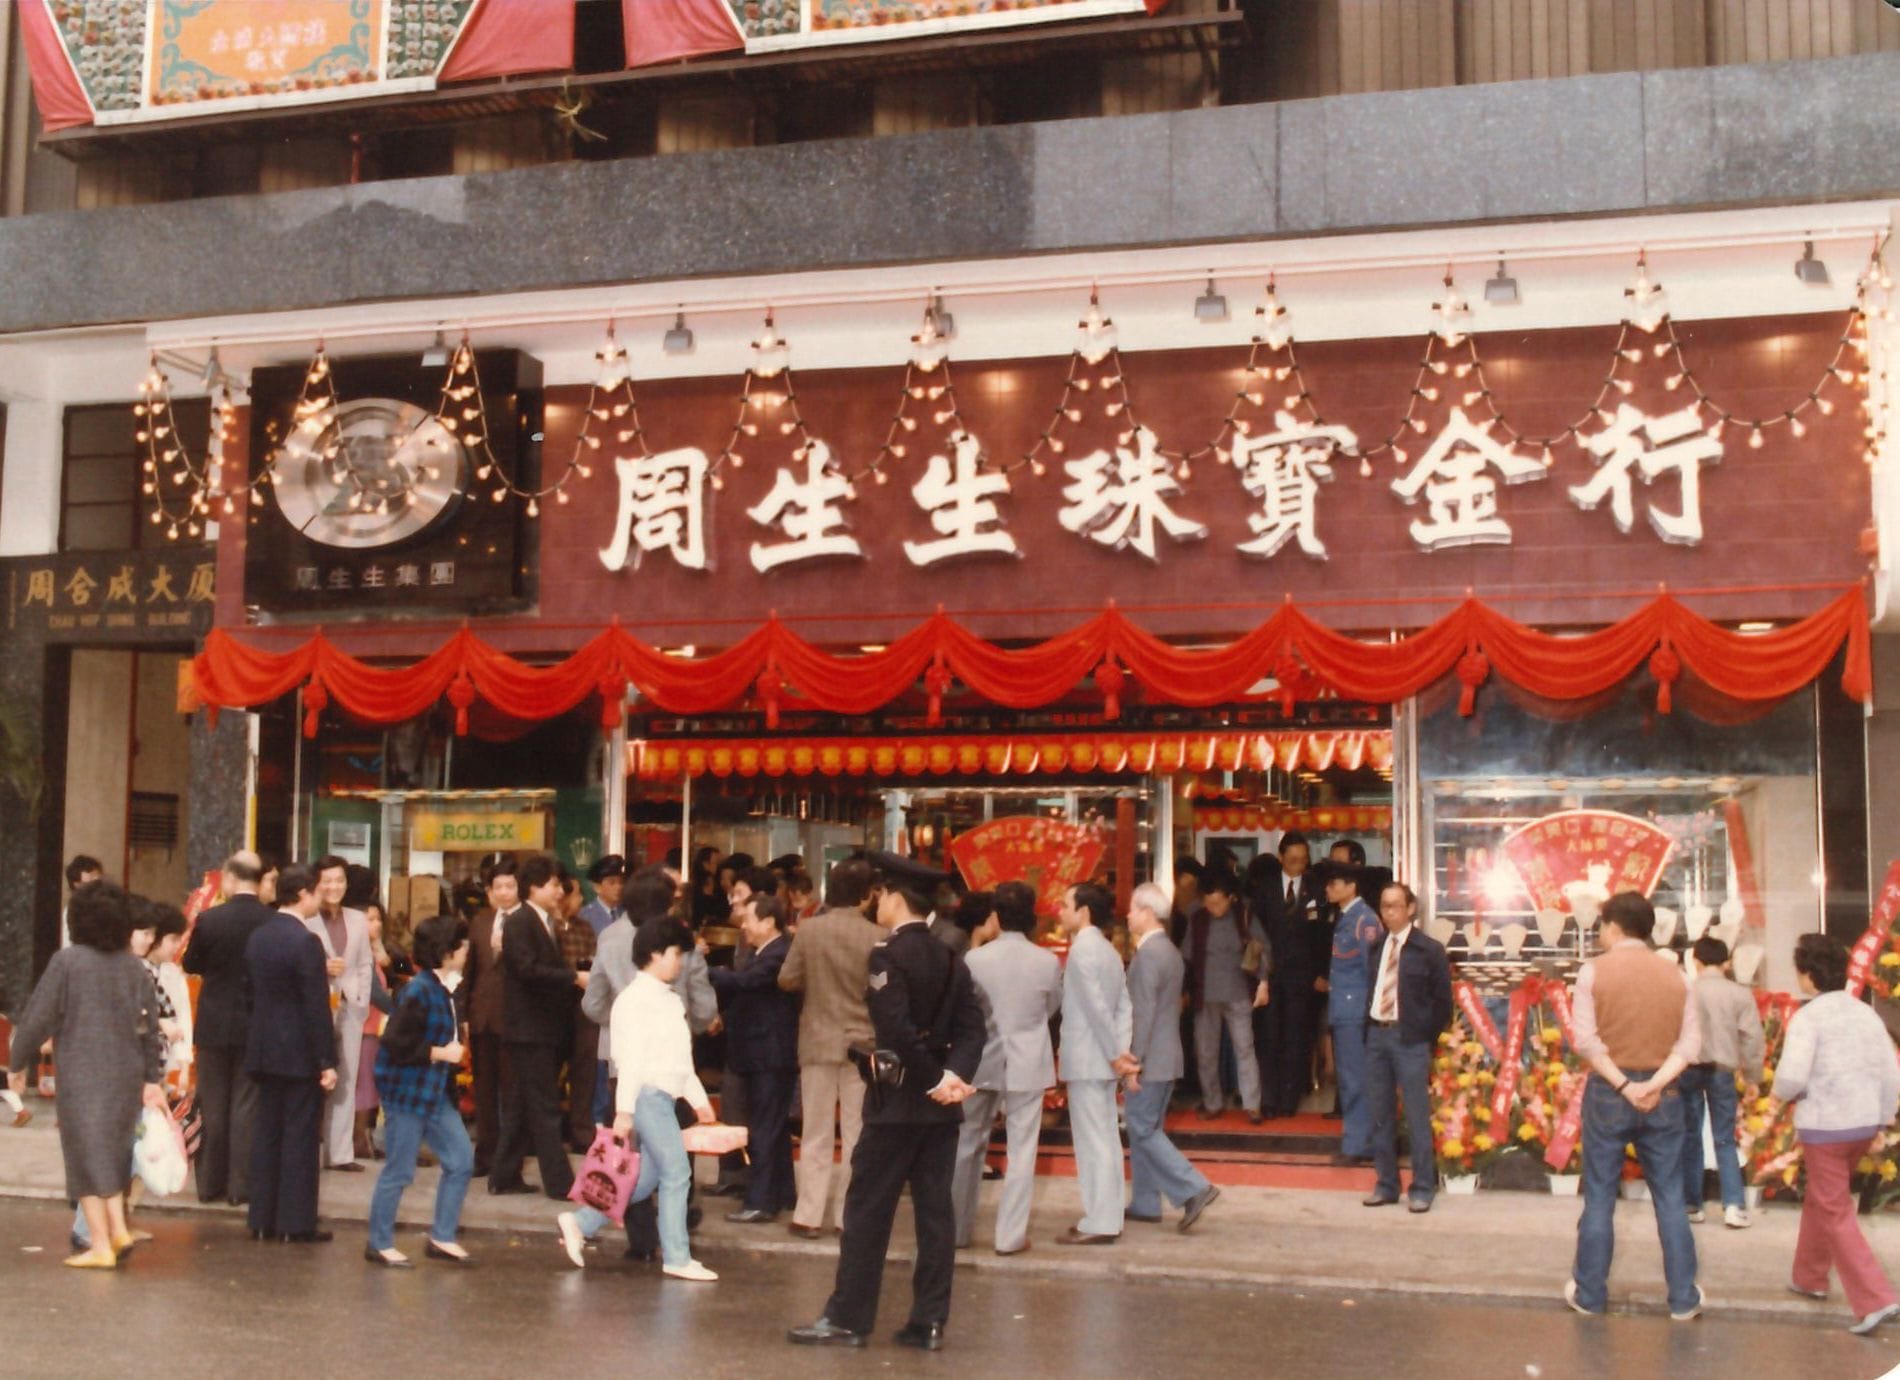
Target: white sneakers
x=572, y=1239
x=1691, y=1314
x=1861, y=1327
x=1697, y=1215
x=691, y=1270
x=1735, y=1217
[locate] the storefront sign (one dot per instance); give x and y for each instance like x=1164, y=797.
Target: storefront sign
x=976, y=508
x=470, y=831
x=1051, y=855
x=376, y=504
x=112, y=596
x=1585, y=855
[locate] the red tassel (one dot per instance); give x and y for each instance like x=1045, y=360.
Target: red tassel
x=1473, y=669
x=1110, y=679
x=937, y=681
x=315, y=700
x=613, y=695
x=1666, y=667
x=461, y=695
x=768, y=686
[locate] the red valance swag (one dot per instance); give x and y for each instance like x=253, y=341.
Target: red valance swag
x=774, y=669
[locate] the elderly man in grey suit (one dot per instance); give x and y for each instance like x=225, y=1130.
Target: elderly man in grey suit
x=1160, y=1171
x=1019, y=987
x=1097, y=1032
x=345, y=935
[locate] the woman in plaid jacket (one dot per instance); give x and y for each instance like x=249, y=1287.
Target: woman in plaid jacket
x=415, y=1077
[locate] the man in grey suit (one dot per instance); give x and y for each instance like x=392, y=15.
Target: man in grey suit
x=1097, y=1030
x=345, y=935
x=1019, y=987
x=1154, y=990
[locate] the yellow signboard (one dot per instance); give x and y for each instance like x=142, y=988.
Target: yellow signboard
x=476, y=831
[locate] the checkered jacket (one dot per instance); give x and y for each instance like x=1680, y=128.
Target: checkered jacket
x=407, y=1080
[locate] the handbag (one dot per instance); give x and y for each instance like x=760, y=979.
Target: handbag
x=158, y=1154
x=607, y=1174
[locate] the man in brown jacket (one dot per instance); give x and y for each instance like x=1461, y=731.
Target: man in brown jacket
x=830, y=963
x=485, y=1009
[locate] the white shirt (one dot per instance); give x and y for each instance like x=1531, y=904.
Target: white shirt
x=652, y=1047
x=1389, y=976
x=546, y=923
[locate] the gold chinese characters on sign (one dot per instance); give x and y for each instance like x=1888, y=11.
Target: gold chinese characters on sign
x=112, y=595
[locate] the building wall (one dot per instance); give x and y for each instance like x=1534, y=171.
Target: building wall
x=98, y=747
x=1883, y=758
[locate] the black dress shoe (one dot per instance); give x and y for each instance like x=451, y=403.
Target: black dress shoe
x=725, y=1190
x=807, y=1233
x=265, y=1236
x=1377, y=1200
x=1141, y=1216
x=749, y=1216
x=1192, y=1209
x=991, y=1173
x=435, y=1252
x=1075, y=1236
x=376, y=1257
x=310, y=1238
x=351, y=1168
x=923, y=1336
x=824, y=1332
x=518, y=1186
x=645, y=1255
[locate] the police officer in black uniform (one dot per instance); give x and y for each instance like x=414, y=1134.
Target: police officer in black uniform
x=924, y=1010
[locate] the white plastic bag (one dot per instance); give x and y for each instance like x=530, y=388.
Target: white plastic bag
x=158, y=1153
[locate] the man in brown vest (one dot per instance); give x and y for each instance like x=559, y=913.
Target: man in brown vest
x=1635, y=1024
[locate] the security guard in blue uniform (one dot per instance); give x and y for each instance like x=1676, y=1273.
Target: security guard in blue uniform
x=926, y=1021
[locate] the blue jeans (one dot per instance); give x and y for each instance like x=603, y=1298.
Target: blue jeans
x=1710, y=1090
x=1349, y=1063
x=404, y=1134
x=1610, y=1123
x=665, y=1168
x=1394, y=1068
x=603, y=1108
x=1157, y=1168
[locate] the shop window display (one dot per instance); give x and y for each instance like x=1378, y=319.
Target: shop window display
x=1534, y=813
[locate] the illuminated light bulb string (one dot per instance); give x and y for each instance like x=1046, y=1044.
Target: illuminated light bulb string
x=768, y=387
x=1096, y=346
x=927, y=381
x=166, y=462
x=462, y=410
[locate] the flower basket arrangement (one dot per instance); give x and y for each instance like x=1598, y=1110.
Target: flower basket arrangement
x=1463, y=1136
x=1550, y=1083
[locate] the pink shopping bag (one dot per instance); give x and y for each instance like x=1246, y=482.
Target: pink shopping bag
x=605, y=1179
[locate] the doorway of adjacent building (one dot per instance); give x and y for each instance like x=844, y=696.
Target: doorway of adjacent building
x=127, y=766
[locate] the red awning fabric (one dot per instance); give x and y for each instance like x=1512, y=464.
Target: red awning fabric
x=503, y=37
x=56, y=88
x=1267, y=819
x=773, y=667
x=1021, y=754
x=672, y=30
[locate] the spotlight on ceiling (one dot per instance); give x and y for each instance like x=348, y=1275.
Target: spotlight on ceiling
x=946, y=323
x=437, y=355
x=1210, y=306
x=1501, y=290
x=1809, y=269
x=679, y=339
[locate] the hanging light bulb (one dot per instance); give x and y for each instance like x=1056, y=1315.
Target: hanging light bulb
x=1454, y=315
x=1097, y=340
x=1645, y=304
x=930, y=346
x=770, y=353
x=1273, y=323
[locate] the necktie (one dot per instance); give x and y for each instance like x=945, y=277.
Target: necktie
x=1385, y=1006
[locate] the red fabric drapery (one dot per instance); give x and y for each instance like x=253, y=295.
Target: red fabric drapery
x=774, y=668
x=670, y=30
x=56, y=89
x=1019, y=753
x=503, y=37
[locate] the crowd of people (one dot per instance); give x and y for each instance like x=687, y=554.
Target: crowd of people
x=893, y=1023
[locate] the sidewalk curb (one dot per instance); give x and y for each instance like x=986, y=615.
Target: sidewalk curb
x=1094, y=1267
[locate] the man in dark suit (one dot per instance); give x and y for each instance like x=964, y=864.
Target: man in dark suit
x=1158, y=1171
x=923, y=1009
x=1299, y=945
x=762, y=1053
x=291, y=1054
x=538, y=996
x=1410, y=1007
x=227, y=1098
x=486, y=1006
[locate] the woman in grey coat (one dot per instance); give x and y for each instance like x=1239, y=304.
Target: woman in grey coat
x=96, y=1003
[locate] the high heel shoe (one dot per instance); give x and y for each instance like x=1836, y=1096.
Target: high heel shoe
x=391, y=1259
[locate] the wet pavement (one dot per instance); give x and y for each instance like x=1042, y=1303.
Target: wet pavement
x=204, y=1301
